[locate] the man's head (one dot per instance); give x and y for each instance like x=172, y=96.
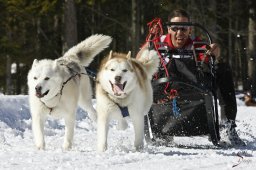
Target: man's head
x=179, y=34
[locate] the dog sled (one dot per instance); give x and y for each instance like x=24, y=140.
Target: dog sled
x=185, y=99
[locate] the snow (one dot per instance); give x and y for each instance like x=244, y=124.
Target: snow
x=17, y=150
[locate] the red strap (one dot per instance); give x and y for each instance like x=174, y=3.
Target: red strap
x=173, y=93
x=155, y=32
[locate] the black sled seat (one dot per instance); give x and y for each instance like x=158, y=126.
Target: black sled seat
x=192, y=110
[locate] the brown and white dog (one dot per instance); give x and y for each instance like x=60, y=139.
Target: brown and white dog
x=124, y=89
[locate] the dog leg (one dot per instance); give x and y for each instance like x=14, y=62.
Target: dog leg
x=102, y=133
x=38, y=130
x=122, y=124
x=69, y=132
x=91, y=112
x=87, y=106
x=138, y=123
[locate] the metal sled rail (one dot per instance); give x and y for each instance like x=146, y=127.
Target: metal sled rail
x=169, y=79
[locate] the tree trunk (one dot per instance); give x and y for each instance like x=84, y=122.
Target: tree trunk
x=252, y=49
x=230, y=49
x=93, y=18
x=70, y=25
x=8, y=75
x=18, y=79
x=135, y=26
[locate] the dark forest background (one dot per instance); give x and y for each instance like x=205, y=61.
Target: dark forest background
x=40, y=29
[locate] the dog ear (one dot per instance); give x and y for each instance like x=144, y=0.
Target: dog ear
x=35, y=62
x=128, y=55
x=110, y=55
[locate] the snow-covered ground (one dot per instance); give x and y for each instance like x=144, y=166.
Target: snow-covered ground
x=17, y=150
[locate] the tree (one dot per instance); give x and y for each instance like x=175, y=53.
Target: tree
x=252, y=49
x=45, y=29
x=70, y=24
x=136, y=25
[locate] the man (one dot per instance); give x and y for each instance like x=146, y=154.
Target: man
x=178, y=37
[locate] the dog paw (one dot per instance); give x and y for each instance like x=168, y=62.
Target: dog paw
x=101, y=148
x=139, y=148
x=67, y=146
x=40, y=146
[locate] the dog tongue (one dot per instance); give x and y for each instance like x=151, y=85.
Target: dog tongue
x=118, y=89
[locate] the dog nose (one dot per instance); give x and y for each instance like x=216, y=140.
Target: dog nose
x=38, y=88
x=118, y=79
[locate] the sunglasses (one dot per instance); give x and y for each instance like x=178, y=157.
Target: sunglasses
x=175, y=29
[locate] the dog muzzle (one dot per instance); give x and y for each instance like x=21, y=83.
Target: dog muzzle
x=39, y=93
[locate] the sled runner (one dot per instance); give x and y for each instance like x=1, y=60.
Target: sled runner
x=185, y=102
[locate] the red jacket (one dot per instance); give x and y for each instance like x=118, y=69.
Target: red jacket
x=166, y=39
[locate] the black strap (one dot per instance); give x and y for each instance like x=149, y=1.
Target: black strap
x=91, y=73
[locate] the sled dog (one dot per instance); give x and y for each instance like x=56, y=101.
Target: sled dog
x=123, y=89
x=57, y=87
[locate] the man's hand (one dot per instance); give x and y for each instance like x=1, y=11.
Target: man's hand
x=214, y=50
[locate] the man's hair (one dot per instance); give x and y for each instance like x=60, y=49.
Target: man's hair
x=178, y=13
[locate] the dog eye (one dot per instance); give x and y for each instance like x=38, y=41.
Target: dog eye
x=46, y=78
x=35, y=78
x=125, y=70
x=112, y=69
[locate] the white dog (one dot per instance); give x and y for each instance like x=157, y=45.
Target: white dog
x=124, y=89
x=57, y=87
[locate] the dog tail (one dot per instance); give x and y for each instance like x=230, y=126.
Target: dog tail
x=85, y=51
x=150, y=60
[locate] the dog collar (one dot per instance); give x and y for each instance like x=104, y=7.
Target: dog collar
x=124, y=111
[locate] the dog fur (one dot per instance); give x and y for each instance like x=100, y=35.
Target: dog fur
x=248, y=100
x=123, y=81
x=57, y=87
